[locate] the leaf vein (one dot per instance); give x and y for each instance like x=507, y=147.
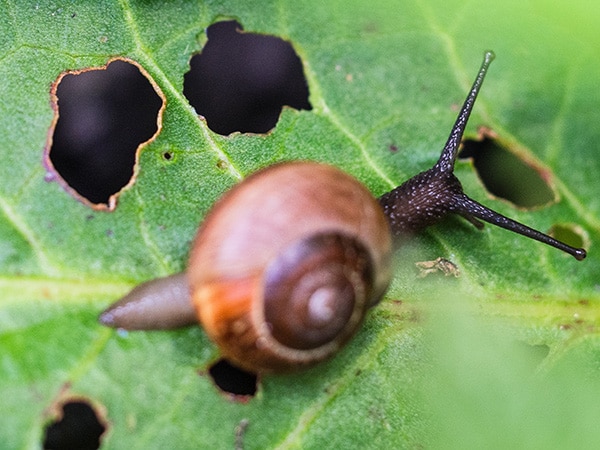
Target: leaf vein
x=20, y=225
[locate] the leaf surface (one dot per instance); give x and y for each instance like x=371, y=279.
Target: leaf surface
x=507, y=354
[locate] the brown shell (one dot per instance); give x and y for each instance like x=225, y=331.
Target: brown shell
x=249, y=227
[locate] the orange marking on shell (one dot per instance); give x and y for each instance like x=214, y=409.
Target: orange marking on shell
x=224, y=306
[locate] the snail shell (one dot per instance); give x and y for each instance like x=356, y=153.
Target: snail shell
x=285, y=266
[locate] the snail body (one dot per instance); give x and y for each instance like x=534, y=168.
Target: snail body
x=287, y=263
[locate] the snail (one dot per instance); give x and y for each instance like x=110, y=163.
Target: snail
x=287, y=263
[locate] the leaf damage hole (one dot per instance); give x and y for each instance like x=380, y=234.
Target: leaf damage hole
x=504, y=174
x=232, y=380
x=241, y=81
x=571, y=234
x=103, y=116
x=77, y=427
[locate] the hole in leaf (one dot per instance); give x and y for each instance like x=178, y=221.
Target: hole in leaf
x=102, y=116
x=78, y=428
x=570, y=234
x=233, y=380
x=506, y=175
x=240, y=81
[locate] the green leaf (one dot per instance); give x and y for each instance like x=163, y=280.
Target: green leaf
x=505, y=355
